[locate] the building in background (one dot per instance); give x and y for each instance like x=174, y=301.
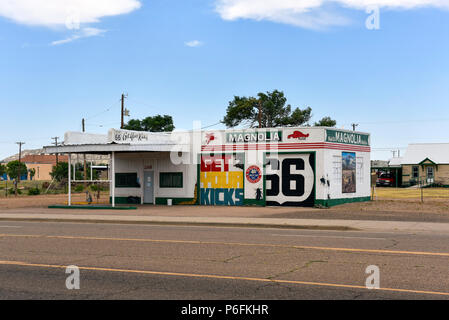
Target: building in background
x=42, y=164
x=35, y=159
x=426, y=163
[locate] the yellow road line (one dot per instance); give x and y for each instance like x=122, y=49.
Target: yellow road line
x=210, y=276
x=439, y=254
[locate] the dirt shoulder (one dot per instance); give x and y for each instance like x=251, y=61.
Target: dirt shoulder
x=435, y=210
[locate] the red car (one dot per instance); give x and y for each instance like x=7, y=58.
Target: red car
x=385, y=180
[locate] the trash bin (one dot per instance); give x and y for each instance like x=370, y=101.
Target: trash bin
x=169, y=202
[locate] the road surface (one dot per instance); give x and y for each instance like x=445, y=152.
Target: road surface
x=125, y=261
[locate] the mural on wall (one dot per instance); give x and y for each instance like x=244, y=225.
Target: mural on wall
x=221, y=179
x=254, y=183
x=348, y=172
x=290, y=180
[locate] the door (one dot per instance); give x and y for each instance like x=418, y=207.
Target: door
x=430, y=174
x=148, y=189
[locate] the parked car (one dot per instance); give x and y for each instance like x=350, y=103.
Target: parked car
x=385, y=180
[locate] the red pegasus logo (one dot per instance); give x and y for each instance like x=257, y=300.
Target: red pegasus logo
x=209, y=137
x=298, y=135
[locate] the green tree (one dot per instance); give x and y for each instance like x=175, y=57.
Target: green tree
x=16, y=168
x=274, y=108
x=157, y=123
x=59, y=172
x=134, y=124
x=326, y=122
x=2, y=169
x=32, y=173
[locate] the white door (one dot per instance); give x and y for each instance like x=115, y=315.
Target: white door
x=148, y=189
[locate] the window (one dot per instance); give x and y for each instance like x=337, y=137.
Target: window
x=170, y=180
x=415, y=172
x=126, y=180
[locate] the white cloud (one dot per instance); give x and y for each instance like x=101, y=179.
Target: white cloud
x=310, y=13
x=193, y=43
x=83, y=33
x=56, y=12
x=74, y=15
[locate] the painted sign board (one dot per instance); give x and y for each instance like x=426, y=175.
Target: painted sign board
x=338, y=136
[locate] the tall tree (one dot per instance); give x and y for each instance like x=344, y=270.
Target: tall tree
x=275, y=112
x=270, y=109
x=157, y=123
x=326, y=122
x=14, y=169
x=133, y=124
x=60, y=171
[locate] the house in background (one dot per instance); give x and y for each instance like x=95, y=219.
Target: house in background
x=42, y=164
x=427, y=163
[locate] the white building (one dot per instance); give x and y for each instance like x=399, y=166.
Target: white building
x=303, y=166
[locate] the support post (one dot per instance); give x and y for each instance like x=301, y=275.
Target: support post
x=113, y=179
x=70, y=178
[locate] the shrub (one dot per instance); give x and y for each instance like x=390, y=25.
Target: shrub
x=79, y=188
x=11, y=191
x=34, y=191
x=45, y=185
x=96, y=187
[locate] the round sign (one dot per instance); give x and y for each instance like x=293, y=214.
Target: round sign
x=253, y=174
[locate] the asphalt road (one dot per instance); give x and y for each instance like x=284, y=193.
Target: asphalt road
x=175, y=262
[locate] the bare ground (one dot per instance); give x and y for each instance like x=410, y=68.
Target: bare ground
x=436, y=210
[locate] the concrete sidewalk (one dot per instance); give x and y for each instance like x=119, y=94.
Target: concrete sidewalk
x=318, y=224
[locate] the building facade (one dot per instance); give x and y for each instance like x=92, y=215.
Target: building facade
x=303, y=166
x=426, y=163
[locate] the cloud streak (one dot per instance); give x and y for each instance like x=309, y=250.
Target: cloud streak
x=314, y=14
x=193, y=43
x=83, y=33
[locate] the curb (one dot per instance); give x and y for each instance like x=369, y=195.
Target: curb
x=193, y=223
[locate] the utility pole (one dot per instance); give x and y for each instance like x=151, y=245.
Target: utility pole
x=20, y=156
x=56, y=144
x=123, y=111
x=84, y=158
x=354, y=125
x=20, y=159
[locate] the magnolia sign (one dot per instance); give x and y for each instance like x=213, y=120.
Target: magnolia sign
x=337, y=136
x=251, y=137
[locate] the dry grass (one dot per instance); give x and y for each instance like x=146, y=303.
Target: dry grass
x=411, y=193
x=25, y=201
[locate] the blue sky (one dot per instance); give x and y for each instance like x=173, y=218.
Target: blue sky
x=189, y=58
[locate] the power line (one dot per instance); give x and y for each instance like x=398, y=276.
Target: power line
x=212, y=125
x=400, y=121
x=102, y=112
